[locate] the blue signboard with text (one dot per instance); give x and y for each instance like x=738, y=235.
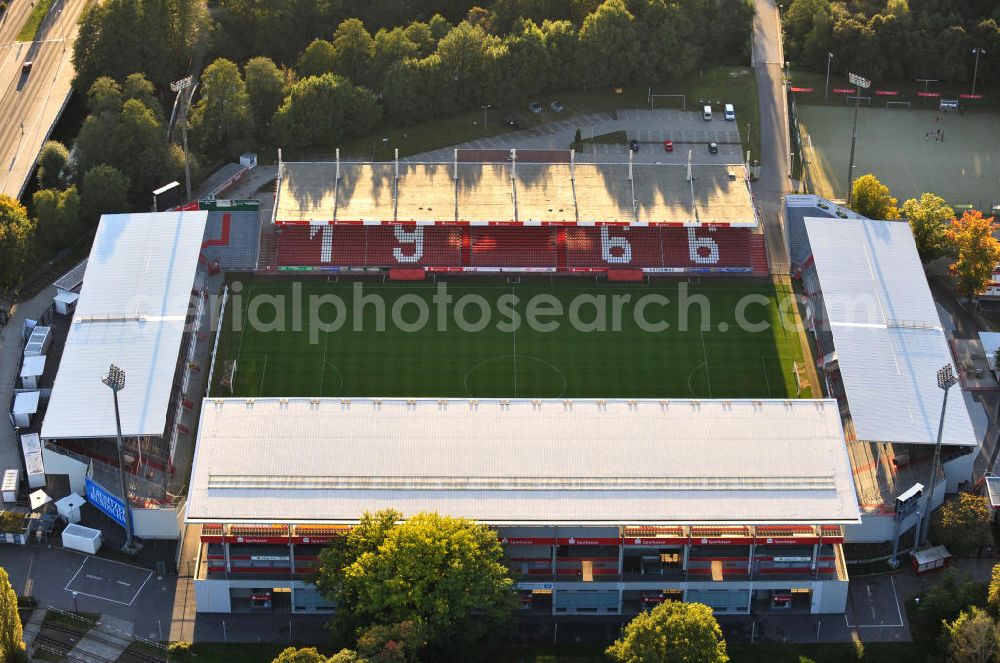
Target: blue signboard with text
x=106, y=502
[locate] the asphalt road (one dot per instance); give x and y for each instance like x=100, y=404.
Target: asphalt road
x=29, y=104
x=773, y=181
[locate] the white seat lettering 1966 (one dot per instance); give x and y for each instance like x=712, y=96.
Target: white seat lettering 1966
x=414, y=237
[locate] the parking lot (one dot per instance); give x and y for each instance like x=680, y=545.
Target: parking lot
x=874, y=603
x=108, y=580
x=687, y=129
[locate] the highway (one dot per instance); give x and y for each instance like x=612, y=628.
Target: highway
x=31, y=103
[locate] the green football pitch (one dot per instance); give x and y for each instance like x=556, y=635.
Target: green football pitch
x=720, y=338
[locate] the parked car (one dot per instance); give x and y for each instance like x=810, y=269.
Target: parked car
x=668, y=145
x=633, y=145
x=557, y=106
x=26, y=67
x=512, y=121
x=730, y=113
x=535, y=107
x=713, y=148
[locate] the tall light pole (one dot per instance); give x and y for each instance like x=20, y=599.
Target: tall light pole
x=115, y=379
x=977, y=51
x=829, y=59
x=945, y=380
x=860, y=83
x=486, y=116
x=185, y=90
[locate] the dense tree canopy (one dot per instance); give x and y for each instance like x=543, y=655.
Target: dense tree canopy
x=672, y=632
x=222, y=120
x=443, y=575
x=58, y=216
x=16, y=230
x=963, y=524
x=156, y=37
x=11, y=645
x=929, y=217
x=872, y=199
x=972, y=638
x=105, y=191
x=266, y=89
x=320, y=111
x=976, y=252
x=52, y=162
x=127, y=135
x=897, y=40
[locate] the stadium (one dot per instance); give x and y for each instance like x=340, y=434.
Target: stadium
x=589, y=358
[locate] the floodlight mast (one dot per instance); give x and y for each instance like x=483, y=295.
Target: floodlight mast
x=185, y=90
x=115, y=380
x=945, y=380
x=860, y=83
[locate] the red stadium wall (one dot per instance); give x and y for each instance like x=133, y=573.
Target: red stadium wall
x=548, y=248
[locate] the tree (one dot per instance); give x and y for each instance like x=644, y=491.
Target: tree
x=993, y=591
x=394, y=643
x=871, y=198
x=671, y=632
x=307, y=655
x=16, y=229
x=57, y=215
x=963, y=524
x=158, y=37
x=137, y=86
x=972, y=637
x=445, y=575
x=319, y=58
x=322, y=110
x=105, y=191
x=390, y=47
x=52, y=162
x=11, y=644
x=609, y=45
x=942, y=603
x=976, y=252
x=929, y=217
x=352, y=50
x=222, y=122
x=266, y=89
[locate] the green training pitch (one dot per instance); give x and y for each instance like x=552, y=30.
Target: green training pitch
x=609, y=341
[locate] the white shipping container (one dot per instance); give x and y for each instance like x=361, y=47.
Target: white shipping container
x=84, y=539
x=9, y=486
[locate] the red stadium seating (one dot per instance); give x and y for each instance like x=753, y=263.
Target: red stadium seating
x=513, y=247
x=562, y=248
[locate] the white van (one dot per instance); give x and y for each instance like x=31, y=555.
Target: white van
x=707, y=114
x=730, y=113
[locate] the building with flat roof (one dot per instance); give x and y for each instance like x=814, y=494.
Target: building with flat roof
x=140, y=303
x=733, y=503
x=881, y=343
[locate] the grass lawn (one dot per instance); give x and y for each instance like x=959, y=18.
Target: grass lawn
x=500, y=359
x=81, y=622
x=735, y=85
x=34, y=21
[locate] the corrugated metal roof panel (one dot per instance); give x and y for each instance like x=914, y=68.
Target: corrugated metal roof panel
x=131, y=312
x=523, y=461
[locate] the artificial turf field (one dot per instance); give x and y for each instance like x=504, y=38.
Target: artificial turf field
x=276, y=357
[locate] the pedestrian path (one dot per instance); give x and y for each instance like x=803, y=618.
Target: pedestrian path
x=11, y=347
x=32, y=627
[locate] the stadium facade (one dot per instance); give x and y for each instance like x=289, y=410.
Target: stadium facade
x=602, y=506
x=880, y=342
